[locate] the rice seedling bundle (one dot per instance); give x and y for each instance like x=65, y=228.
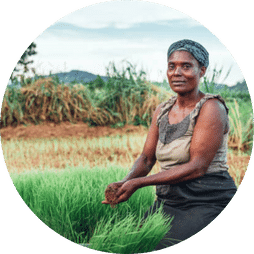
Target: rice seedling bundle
x=69, y=202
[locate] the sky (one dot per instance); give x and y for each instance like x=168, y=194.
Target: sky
x=139, y=32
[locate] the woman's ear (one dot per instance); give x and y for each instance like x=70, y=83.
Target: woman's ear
x=202, y=71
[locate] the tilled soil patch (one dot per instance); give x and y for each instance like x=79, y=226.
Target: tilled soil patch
x=66, y=129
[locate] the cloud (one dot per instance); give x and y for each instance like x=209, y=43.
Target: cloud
x=140, y=32
x=121, y=14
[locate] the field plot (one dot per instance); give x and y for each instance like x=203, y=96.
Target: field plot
x=62, y=178
x=64, y=143
x=58, y=149
x=55, y=147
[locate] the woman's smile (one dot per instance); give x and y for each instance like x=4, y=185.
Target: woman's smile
x=178, y=82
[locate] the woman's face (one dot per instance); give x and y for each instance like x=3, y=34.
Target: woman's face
x=184, y=72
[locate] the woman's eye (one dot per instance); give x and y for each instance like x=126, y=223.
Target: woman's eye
x=171, y=67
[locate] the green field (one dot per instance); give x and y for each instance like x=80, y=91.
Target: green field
x=62, y=180
x=69, y=202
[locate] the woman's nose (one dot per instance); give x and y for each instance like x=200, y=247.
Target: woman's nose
x=177, y=71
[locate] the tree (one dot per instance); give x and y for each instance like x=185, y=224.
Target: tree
x=24, y=62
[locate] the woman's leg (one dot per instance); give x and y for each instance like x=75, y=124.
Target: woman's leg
x=186, y=223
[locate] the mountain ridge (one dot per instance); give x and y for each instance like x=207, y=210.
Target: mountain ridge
x=87, y=77
x=76, y=75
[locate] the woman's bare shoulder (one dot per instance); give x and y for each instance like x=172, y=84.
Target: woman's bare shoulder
x=158, y=109
x=213, y=112
x=213, y=106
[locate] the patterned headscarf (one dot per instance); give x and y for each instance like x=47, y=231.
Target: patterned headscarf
x=196, y=49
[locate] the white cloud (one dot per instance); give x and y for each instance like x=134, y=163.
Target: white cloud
x=64, y=49
x=64, y=54
x=121, y=14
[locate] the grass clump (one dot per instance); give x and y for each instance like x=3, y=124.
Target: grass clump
x=125, y=98
x=241, y=127
x=69, y=202
x=130, y=235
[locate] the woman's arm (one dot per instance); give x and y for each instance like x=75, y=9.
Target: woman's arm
x=145, y=162
x=206, y=140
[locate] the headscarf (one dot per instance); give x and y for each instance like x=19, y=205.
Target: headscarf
x=196, y=49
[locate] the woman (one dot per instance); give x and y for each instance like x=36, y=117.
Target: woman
x=188, y=136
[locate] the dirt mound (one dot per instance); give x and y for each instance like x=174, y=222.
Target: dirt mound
x=64, y=130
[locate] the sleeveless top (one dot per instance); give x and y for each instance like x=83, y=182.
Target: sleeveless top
x=174, y=139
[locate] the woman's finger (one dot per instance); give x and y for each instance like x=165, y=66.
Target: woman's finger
x=119, y=192
x=105, y=202
x=122, y=198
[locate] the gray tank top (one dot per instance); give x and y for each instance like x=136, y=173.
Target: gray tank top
x=174, y=139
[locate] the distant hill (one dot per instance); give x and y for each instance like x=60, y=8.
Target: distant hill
x=240, y=86
x=83, y=76
x=78, y=76
x=68, y=77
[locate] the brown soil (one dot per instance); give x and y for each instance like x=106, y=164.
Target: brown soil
x=110, y=195
x=64, y=130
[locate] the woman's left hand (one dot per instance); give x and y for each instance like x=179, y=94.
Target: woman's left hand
x=126, y=190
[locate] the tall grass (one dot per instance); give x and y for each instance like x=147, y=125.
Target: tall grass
x=240, y=110
x=69, y=202
x=213, y=83
x=45, y=100
x=241, y=127
x=126, y=97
